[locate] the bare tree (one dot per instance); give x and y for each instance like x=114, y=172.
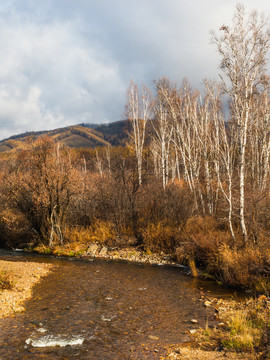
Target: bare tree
x=138, y=112
x=260, y=140
x=243, y=49
x=182, y=107
x=163, y=131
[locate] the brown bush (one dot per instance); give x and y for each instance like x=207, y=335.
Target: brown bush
x=15, y=229
x=240, y=267
x=160, y=237
x=171, y=206
x=212, y=250
x=201, y=240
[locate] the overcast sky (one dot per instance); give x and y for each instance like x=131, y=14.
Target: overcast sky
x=65, y=62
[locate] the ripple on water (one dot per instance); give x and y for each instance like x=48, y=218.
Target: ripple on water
x=51, y=340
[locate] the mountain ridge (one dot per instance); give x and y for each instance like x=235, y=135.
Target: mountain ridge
x=74, y=136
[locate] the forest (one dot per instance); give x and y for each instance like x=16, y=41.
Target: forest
x=192, y=181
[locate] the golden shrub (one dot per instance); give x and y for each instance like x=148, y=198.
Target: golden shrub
x=160, y=237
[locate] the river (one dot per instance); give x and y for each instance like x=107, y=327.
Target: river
x=105, y=310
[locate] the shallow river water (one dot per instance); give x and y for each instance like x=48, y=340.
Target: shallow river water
x=104, y=310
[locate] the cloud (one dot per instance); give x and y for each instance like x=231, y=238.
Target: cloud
x=50, y=78
x=64, y=62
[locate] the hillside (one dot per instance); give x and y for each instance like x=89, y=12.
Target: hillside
x=77, y=136
x=116, y=133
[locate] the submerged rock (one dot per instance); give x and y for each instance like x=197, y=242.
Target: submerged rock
x=151, y=337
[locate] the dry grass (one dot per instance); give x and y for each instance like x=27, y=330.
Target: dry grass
x=5, y=281
x=238, y=267
x=160, y=237
x=100, y=232
x=201, y=240
x=246, y=329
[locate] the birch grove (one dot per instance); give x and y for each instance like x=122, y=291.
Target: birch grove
x=138, y=111
x=243, y=49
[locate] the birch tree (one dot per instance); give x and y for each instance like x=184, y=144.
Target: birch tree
x=182, y=107
x=243, y=49
x=260, y=140
x=138, y=112
x=163, y=132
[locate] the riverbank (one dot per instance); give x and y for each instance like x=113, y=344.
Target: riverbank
x=128, y=253
x=240, y=333
x=21, y=276
x=242, y=330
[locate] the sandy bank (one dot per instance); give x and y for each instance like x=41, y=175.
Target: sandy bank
x=24, y=276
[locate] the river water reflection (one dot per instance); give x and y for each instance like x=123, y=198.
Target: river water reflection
x=103, y=310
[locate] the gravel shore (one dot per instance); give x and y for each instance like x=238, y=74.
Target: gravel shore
x=24, y=275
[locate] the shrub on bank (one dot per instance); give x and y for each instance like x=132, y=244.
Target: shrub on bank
x=209, y=247
x=201, y=239
x=238, y=267
x=15, y=230
x=160, y=237
x=100, y=232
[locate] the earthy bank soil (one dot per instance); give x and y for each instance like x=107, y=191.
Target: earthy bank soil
x=185, y=353
x=23, y=275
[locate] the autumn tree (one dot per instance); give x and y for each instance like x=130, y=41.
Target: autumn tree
x=163, y=130
x=138, y=111
x=41, y=187
x=243, y=49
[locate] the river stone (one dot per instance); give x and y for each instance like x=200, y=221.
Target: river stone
x=193, y=331
x=222, y=309
x=221, y=324
x=207, y=303
x=173, y=356
x=194, y=321
x=92, y=249
x=103, y=251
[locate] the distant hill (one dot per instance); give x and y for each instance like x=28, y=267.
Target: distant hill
x=116, y=133
x=77, y=136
